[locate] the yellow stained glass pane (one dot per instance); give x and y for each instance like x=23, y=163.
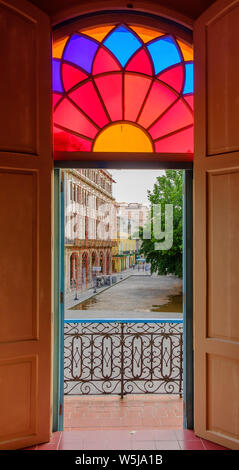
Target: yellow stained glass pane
x=98, y=33
x=58, y=47
x=146, y=34
x=123, y=137
x=187, y=50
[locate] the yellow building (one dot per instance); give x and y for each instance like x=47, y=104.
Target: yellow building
x=123, y=254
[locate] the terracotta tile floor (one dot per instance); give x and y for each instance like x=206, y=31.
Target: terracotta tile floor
x=134, y=423
x=130, y=413
x=153, y=439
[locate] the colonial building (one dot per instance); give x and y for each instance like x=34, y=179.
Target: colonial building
x=90, y=226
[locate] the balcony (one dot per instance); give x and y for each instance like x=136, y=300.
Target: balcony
x=132, y=369
x=112, y=357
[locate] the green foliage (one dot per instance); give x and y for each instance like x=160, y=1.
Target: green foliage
x=167, y=190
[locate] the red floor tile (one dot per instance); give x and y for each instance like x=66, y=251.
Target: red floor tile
x=143, y=435
x=191, y=445
x=167, y=445
x=135, y=423
x=186, y=435
x=165, y=435
x=126, y=440
x=143, y=445
x=212, y=446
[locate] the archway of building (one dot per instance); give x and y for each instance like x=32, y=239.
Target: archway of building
x=73, y=269
x=85, y=268
x=108, y=263
x=74, y=148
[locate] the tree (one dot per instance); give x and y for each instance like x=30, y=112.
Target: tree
x=167, y=190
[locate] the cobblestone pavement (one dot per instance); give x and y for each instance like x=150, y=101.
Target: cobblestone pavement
x=136, y=296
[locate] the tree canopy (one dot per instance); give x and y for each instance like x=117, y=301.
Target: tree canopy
x=167, y=190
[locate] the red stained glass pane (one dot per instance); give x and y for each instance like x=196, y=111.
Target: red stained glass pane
x=159, y=98
x=87, y=99
x=135, y=90
x=66, y=142
x=182, y=142
x=177, y=117
x=71, y=76
x=104, y=62
x=190, y=100
x=110, y=87
x=55, y=99
x=174, y=77
x=68, y=116
x=107, y=84
x=140, y=63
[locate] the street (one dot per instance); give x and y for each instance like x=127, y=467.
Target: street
x=137, y=296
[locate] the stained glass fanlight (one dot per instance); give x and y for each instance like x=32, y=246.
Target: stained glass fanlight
x=122, y=88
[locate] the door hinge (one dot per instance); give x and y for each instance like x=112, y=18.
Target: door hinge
x=61, y=297
x=60, y=409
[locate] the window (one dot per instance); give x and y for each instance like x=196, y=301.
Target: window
x=126, y=89
x=71, y=191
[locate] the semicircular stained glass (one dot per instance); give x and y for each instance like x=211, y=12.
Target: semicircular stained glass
x=122, y=88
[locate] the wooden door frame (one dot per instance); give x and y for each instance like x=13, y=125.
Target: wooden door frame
x=58, y=298
x=160, y=164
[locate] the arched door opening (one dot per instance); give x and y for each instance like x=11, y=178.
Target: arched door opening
x=123, y=95
x=85, y=268
x=26, y=189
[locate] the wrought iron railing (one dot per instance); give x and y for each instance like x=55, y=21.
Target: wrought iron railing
x=121, y=357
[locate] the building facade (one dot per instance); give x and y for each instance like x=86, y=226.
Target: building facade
x=90, y=226
x=130, y=217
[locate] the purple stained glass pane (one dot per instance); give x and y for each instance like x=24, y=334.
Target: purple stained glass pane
x=81, y=51
x=56, y=75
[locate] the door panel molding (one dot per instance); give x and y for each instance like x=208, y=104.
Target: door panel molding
x=25, y=237
x=216, y=228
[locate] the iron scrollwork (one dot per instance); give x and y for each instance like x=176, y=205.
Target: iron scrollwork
x=122, y=357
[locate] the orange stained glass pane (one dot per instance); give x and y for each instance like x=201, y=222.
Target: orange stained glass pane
x=187, y=50
x=98, y=33
x=58, y=47
x=123, y=137
x=146, y=34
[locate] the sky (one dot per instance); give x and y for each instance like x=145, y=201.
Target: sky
x=132, y=185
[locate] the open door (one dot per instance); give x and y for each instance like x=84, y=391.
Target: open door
x=216, y=229
x=25, y=235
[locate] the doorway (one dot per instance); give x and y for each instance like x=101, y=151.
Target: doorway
x=123, y=107
x=78, y=307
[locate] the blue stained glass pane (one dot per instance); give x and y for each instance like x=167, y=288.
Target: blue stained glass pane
x=164, y=53
x=81, y=51
x=56, y=75
x=188, y=87
x=122, y=43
